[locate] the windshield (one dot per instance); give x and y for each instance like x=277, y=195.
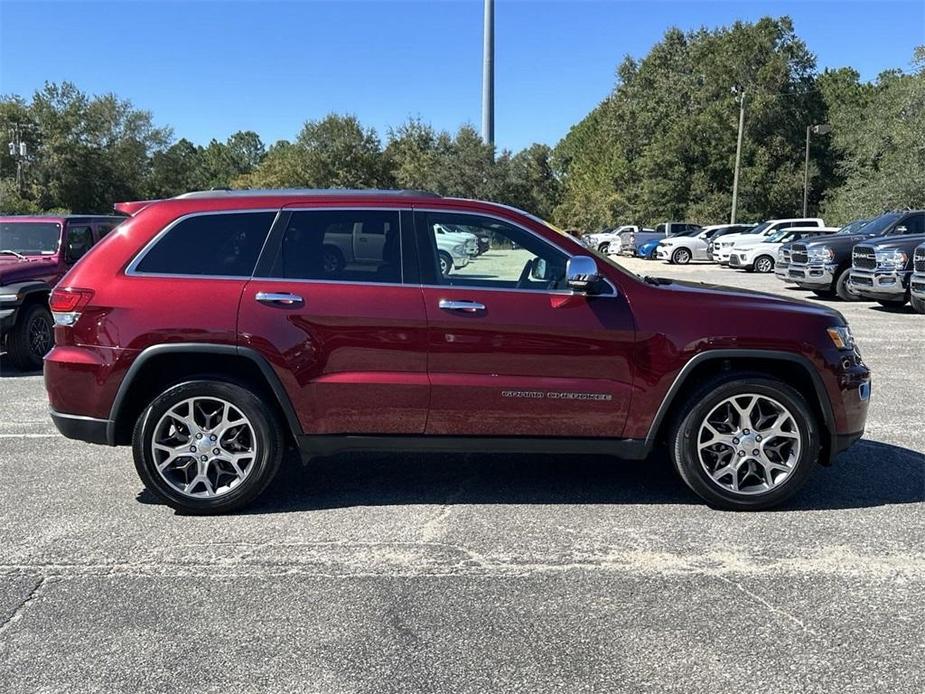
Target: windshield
x=758, y=229
x=881, y=223
x=854, y=227
x=30, y=238
x=779, y=236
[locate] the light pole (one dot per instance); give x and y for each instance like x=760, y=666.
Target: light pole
x=735, y=177
x=821, y=129
x=488, y=74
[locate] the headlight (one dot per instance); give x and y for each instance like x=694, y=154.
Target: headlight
x=841, y=337
x=820, y=254
x=893, y=259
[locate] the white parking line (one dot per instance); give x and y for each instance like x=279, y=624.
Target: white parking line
x=28, y=436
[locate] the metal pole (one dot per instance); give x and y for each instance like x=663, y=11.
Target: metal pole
x=488, y=75
x=806, y=173
x=735, y=178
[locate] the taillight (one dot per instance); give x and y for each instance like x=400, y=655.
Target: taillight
x=66, y=304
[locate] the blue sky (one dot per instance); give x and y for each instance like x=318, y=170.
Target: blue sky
x=210, y=68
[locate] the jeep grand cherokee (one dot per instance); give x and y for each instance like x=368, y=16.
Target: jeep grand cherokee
x=208, y=332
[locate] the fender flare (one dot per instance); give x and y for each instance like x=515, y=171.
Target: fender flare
x=822, y=395
x=276, y=386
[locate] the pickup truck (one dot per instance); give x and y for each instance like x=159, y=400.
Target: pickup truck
x=633, y=241
x=881, y=269
x=610, y=241
x=36, y=252
x=824, y=265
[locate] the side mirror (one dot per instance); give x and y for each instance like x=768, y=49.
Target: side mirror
x=581, y=273
x=538, y=271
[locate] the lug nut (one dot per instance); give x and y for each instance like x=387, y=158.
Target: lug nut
x=741, y=453
x=755, y=452
x=204, y=458
x=198, y=436
x=192, y=449
x=213, y=437
x=735, y=441
x=757, y=437
x=746, y=432
x=216, y=451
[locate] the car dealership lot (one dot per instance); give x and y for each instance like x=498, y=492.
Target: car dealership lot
x=472, y=573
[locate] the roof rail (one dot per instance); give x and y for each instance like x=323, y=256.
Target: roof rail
x=304, y=192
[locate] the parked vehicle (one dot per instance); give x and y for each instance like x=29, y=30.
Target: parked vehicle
x=881, y=268
x=632, y=243
x=824, y=265
x=469, y=240
x=782, y=266
x=647, y=249
x=35, y=252
x=761, y=255
x=609, y=241
x=627, y=240
x=209, y=335
x=917, y=281
x=720, y=250
x=682, y=249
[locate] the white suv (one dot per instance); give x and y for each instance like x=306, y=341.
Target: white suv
x=761, y=255
x=683, y=249
x=721, y=249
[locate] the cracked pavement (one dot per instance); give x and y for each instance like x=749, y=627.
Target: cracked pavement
x=465, y=573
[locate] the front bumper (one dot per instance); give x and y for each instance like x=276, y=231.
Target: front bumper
x=780, y=271
x=917, y=285
x=820, y=276
x=460, y=261
x=889, y=285
x=7, y=319
x=661, y=253
x=739, y=260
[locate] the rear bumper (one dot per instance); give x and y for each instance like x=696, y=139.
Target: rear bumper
x=87, y=429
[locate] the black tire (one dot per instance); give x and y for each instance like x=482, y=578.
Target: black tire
x=446, y=263
x=917, y=304
x=841, y=287
x=267, y=434
x=764, y=264
x=332, y=260
x=892, y=305
x=31, y=338
x=603, y=248
x=686, y=427
x=824, y=293
x=681, y=256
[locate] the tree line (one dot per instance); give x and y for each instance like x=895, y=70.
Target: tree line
x=661, y=146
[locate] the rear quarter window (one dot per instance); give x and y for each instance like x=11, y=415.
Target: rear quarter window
x=220, y=245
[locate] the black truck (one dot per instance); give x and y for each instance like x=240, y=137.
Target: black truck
x=823, y=265
x=881, y=269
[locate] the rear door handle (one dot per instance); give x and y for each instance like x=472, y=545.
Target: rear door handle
x=465, y=306
x=283, y=299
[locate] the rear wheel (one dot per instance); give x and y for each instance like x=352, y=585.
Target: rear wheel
x=764, y=263
x=745, y=442
x=31, y=338
x=207, y=447
x=682, y=256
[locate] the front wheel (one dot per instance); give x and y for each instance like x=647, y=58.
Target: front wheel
x=892, y=305
x=764, y=264
x=745, y=442
x=603, y=248
x=31, y=338
x=207, y=447
x=682, y=256
x=446, y=263
x=843, y=289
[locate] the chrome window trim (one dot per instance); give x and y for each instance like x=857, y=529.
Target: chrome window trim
x=132, y=271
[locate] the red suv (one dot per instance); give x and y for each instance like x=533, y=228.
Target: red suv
x=213, y=330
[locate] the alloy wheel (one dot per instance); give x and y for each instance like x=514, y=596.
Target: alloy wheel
x=764, y=264
x=749, y=444
x=204, y=447
x=40, y=336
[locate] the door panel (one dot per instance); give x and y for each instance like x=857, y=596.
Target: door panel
x=530, y=364
x=350, y=344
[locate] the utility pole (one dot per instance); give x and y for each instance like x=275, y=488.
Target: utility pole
x=18, y=151
x=488, y=74
x=821, y=129
x=735, y=176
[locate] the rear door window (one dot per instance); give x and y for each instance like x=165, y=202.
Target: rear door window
x=341, y=246
x=79, y=241
x=218, y=245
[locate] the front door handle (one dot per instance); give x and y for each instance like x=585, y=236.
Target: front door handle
x=282, y=299
x=465, y=306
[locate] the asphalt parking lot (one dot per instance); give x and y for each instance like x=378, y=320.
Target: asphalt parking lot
x=472, y=573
